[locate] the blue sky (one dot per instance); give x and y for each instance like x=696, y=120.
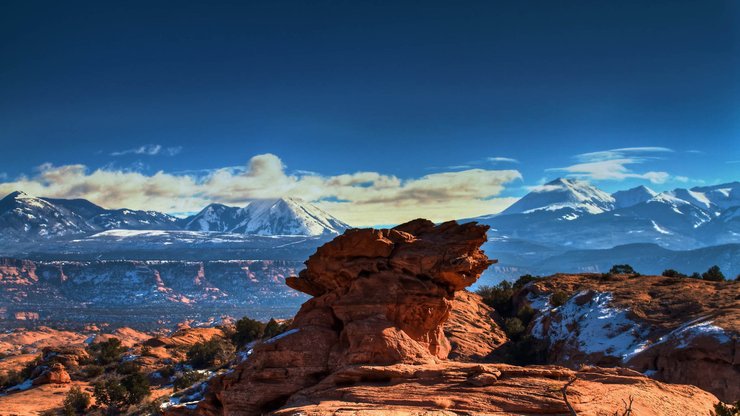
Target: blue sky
x=401, y=90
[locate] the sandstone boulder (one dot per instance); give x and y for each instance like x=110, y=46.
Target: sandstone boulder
x=55, y=374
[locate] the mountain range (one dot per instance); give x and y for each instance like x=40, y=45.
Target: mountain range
x=575, y=214
x=563, y=225
x=26, y=218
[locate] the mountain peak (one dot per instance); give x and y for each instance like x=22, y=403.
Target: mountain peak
x=16, y=195
x=633, y=196
x=563, y=193
x=267, y=216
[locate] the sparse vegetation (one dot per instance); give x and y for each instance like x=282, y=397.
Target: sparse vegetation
x=118, y=393
x=212, y=353
x=713, y=274
x=107, y=352
x=721, y=409
x=558, y=298
x=75, y=402
x=187, y=379
x=514, y=328
x=673, y=273
x=247, y=330
x=622, y=269
x=498, y=297
x=523, y=349
x=93, y=370
x=273, y=328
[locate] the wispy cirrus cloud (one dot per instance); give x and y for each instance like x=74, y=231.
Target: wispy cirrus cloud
x=496, y=159
x=359, y=198
x=617, y=164
x=149, y=150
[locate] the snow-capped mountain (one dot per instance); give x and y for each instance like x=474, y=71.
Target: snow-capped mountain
x=634, y=196
x=23, y=217
x=561, y=194
x=281, y=216
x=569, y=213
x=128, y=219
x=27, y=218
x=214, y=217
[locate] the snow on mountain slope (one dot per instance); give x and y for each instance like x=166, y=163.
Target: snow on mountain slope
x=25, y=217
x=723, y=196
x=564, y=193
x=286, y=216
x=634, y=196
x=214, y=217
x=573, y=214
x=134, y=220
x=281, y=216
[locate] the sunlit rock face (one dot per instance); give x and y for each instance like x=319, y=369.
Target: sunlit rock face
x=380, y=297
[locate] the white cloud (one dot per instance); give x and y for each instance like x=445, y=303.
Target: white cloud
x=501, y=159
x=150, y=150
x=498, y=159
x=360, y=198
x=614, y=164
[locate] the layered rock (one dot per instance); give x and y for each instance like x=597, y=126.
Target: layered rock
x=55, y=374
x=678, y=330
x=473, y=328
x=485, y=389
x=380, y=297
x=371, y=341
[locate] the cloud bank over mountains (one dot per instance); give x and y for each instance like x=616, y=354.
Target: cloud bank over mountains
x=360, y=198
x=615, y=164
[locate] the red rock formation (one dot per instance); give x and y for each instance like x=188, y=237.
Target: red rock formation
x=678, y=330
x=380, y=297
x=56, y=374
x=472, y=329
x=371, y=341
x=486, y=389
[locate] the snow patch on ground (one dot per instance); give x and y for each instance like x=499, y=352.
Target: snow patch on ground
x=601, y=328
x=281, y=336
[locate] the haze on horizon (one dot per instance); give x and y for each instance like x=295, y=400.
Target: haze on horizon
x=377, y=113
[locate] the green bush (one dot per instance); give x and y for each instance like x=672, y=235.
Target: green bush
x=714, y=274
x=273, y=328
x=213, y=353
x=721, y=409
x=110, y=393
x=188, y=379
x=247, y=330
x=498, y=297
x=119, y=393
x=127, y=367
x=672, y=273
x=558, y=298
x=93, y=370
x=137, y=387
x=622, y=269
x=514, y=328
x=10, y=378
x=75, y=402
x=523, y=280
x=695, y=275
x=525, y=314
x=108, y=351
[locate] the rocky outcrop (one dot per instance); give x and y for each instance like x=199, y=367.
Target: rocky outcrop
x=486, y=389
x=55, y=374
x=372, y=341
x=678, y=330
x=380, y=298
x=473, y=328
